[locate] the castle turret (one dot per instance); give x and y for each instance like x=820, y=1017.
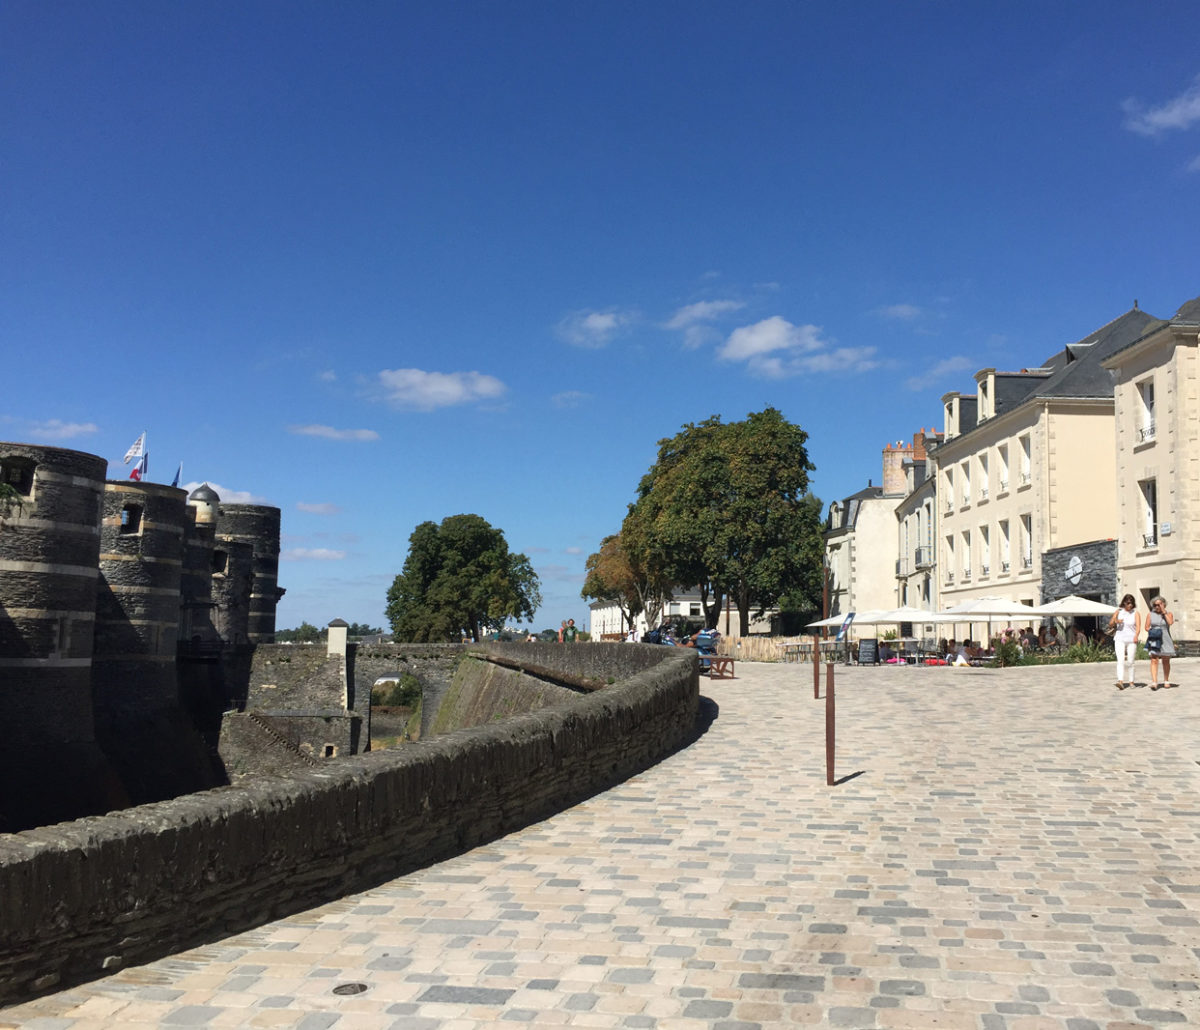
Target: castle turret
x=256, y=526
x=139, y=720
x=50, y=763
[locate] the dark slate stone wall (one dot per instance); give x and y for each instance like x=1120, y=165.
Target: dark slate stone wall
x=1098, y=577
x=79, y=899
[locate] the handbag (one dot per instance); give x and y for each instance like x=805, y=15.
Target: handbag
x=1154, y=637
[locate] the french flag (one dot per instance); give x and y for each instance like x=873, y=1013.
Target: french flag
x=139, y=470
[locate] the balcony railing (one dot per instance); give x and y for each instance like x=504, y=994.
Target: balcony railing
x=1146, y=432
x=1004, y=566
x=966, y=574
x=1027, y=561
x=1003, y=485
x=949, y=577
x=1026, y=477
x=1150, y=539
x=983, y=494
x=924, y=558
x=986, y=570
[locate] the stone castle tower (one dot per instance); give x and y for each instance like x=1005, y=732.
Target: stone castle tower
x=96, y=580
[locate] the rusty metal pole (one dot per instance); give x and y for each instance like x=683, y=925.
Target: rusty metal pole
x=830, y=724
x=816, y=666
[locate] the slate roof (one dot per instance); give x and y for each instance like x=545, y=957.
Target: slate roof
x=1074, y=371
x=850, y=507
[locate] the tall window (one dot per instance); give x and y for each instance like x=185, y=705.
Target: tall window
x=965, y=556
x=949, y=489
x=949, y=563
x=1005, y=547
x=131, y=519
x=1026, y=461
x=1002, y=467
x=1146, y=409
x=985, y=552
x=983, y=477
x=1149, y=491
x=1027, y=541
x=965, y=475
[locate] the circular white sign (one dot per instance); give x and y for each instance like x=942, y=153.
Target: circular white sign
x=1074, y=569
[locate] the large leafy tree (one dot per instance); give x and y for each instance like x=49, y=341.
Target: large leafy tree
x=460, y=577
x=725, y=507
x=623, y=572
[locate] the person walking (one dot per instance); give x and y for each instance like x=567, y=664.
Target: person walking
x=1127, y=622
x=569, y=632
x=1159, y=642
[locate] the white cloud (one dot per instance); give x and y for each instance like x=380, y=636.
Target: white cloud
x=328, y=376
x=697, y=336
x=56, y=429
x=324, y=508
x=770, y=335
x=901, y=312
x=425, y=391
x=569, y=398
x=228, y=495
x=943, y=368
x=1194, y=164
x=1177, y=113
x=311, y=554
x=329, y=433
x=776, y=349
x=702, y=311
x=593, y=329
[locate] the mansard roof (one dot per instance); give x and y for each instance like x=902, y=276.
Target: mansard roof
x=1074, y=371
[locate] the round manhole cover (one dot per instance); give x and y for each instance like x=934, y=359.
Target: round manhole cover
x=349, y=988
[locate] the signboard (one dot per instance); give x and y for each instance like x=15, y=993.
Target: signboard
x=841, y=633
x=868, y=651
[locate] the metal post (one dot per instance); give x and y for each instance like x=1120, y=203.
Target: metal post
x=830, y=724
x=816, y=666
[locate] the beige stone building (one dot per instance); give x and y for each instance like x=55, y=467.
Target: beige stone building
x=1157, y=464
x=916, y=517
x=860, y=542
x=1028, y=465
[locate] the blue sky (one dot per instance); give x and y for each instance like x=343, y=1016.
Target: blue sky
x=382, y=263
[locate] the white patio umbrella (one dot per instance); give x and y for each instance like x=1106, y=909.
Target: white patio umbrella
x=993, y=608
x=1073, y=604
x=866, y=617
x=907, y=613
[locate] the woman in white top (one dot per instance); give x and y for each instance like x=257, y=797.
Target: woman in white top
x=1128, y=623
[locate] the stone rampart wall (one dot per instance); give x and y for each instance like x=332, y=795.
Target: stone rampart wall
x=82, y=898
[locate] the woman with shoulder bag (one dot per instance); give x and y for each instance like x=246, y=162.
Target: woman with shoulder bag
x=1159, y=642
x=1127, y=622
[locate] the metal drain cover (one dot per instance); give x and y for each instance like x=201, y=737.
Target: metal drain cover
x=349, y=988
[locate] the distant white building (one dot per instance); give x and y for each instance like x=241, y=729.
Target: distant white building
x=606, y=622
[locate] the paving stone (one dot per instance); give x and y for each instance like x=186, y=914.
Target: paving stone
x=1005, y=861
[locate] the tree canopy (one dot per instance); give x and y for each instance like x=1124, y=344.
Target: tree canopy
x=460, y=577
x=725, y=507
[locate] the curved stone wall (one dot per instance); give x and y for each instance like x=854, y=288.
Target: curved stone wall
x=79, y=899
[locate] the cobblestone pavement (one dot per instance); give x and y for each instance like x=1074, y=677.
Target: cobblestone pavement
x=1014, y=849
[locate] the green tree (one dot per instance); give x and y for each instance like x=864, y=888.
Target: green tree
x=460, y=577
x=611, y=577
x=305, y=633
x=725, y=507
